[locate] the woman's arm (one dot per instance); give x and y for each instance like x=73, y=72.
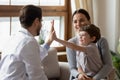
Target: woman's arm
x=106, y=59
x=71, y=57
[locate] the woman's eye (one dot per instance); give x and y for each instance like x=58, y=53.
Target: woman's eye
x=75, y=21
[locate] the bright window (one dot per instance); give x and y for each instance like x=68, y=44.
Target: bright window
x=35, y=2
x=56, y=9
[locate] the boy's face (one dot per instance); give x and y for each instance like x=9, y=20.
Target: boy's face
x=84, y=38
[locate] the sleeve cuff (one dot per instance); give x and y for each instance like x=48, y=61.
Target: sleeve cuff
x=78, y=75
x=46, y=46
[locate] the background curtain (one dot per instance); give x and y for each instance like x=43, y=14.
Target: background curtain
x=118, y=26
x=84, y=4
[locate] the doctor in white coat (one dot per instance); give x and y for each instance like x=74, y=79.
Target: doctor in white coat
x=21, y=58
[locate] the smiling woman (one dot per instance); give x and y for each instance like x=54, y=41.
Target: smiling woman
x=56, y=9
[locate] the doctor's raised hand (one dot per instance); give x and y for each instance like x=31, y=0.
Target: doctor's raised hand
x=50, y=36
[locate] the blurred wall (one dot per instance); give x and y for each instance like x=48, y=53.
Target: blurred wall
x=106, y=16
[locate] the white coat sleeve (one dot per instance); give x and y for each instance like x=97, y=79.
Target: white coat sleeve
x=43, y=53
x=31, y=58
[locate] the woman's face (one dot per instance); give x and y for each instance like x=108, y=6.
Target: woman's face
x=79, y=20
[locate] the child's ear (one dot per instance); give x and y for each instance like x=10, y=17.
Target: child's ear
x=93, y=38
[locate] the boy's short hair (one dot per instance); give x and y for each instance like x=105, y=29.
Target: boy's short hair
x=92, y=30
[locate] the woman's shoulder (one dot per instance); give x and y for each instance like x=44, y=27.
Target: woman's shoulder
x=102, y=42
x=102, y=39
x=73, y=40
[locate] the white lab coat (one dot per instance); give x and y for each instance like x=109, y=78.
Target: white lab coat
x=21, y=58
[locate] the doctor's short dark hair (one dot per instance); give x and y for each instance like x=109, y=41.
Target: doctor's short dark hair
x=28, y=14
x=92, y=30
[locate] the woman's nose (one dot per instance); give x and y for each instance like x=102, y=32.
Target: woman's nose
x=80, y=24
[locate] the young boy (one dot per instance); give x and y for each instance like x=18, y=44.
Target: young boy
x=88, y=57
